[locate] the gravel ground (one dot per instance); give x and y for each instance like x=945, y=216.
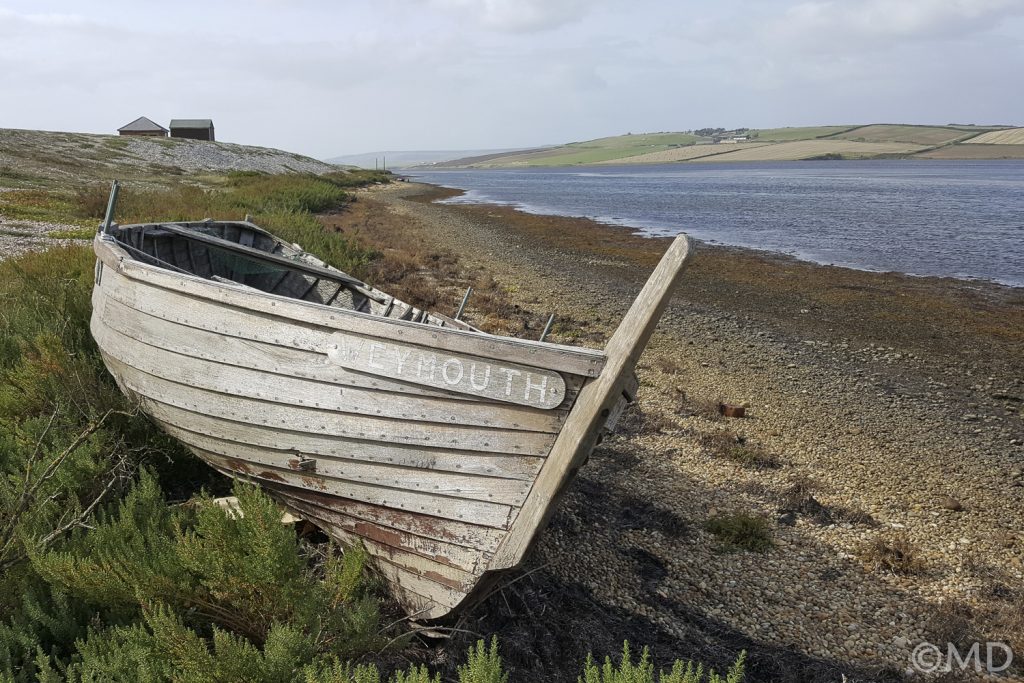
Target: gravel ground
x=896, y=433
x=18, y=237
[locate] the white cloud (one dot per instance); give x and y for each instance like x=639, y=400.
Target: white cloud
x=831, y=25
x=519, y=15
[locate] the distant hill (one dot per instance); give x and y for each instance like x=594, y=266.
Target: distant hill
x=407, y=159
x=772, y=144
x=55, y=155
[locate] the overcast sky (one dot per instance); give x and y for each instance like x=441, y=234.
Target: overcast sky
x=327, y=78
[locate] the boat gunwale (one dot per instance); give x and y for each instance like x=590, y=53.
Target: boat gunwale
x=111, y=254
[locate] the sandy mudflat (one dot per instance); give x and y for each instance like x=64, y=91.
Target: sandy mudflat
x=894, y=402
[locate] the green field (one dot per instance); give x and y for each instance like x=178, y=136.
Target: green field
x=915, y=135
x=595, y=151
x=790, y=134
x=849, y=141
x=1010, y=136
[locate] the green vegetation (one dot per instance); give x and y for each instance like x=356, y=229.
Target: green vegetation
x=856, y=141
x=593, y=151
x=790, y=134
x=105, y=574
x=918, y=135
x=100, y=578
x=643, y=671
x=741, y=531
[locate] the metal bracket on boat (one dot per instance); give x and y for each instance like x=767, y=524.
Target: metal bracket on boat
x=108, y=219
x=462, y=306
x=547, y=328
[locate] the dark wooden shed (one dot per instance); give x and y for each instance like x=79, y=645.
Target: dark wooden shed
x=143, y=126
x=193, y=129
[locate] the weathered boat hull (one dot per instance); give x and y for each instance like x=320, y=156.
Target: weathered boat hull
x=440, y=449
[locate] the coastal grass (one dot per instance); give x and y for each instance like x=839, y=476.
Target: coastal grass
x=741, y=531
x=283, y=204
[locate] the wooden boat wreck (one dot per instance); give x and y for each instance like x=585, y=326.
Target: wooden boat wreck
x=438, y=447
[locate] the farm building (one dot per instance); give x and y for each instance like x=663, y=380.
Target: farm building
x=143, y=126
x=193, y=129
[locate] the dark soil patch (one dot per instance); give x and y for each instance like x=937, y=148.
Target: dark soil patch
x=546, y=627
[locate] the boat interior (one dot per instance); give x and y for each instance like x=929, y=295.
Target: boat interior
x=241, y=253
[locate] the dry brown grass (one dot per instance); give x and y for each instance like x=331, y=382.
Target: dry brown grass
x=1013, y=136
x=737, y=449
x=806, y=149
x=917, y=135
x=896, y=554
x=431, y=277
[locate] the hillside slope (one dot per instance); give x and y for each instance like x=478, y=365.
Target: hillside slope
x=59, y=156
x=776, y=144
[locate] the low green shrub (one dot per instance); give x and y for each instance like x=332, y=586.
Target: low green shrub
x=643, y=671
x=741, y=531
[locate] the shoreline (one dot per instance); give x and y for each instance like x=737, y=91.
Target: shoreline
x=639, y=231
x=882, y=397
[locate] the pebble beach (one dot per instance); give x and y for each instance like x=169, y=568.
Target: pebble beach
x=886, y=410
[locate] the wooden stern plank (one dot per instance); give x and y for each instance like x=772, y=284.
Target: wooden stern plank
x=257, y=355
x=468, y=535
x=594, y=404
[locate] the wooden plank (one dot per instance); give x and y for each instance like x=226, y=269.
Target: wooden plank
x=443, y=599
x=255, y=384
x=522, y=383
x=335, y=523
x=472, y=537
x=439, y=572
x=556, y=357
x=498, y=380
x=317, y=421
x=211, y=346
x=487, y=489
x=462, y=462
x=594, y=404
x=256, y=254
x=485, y=514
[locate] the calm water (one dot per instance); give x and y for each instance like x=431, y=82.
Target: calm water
x=963, y=219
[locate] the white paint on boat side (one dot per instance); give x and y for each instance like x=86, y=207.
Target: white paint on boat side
x=255, y=384
x=556, y=357
x=517, y=467
x=476, y=376
x=508, y=492
x=314, y=420
x=487, y=514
